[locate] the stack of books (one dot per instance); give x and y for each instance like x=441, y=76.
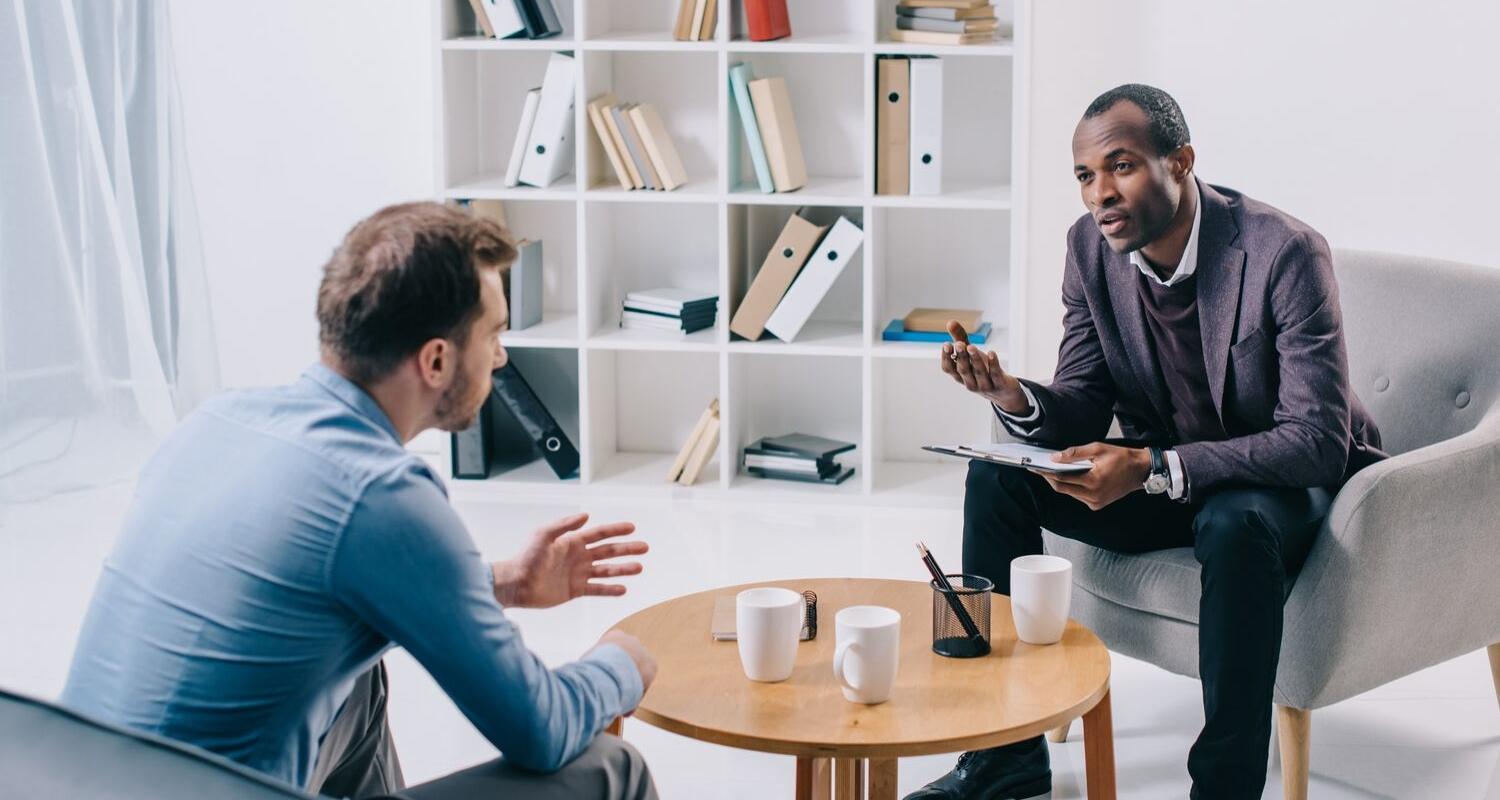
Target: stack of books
x=945, y=22
x=797, y=273
x=640, y=150
x=765, y=112
x=669, y=309
x=543, y=150
x=931, y=325
x=696, y=20
x=798, y=457
x=516, y=19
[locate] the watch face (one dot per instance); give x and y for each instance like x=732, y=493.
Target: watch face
x=1156, y=483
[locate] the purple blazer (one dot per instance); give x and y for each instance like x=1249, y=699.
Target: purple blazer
x=1273, y=343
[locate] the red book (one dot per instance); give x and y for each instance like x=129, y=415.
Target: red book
x=767, y=20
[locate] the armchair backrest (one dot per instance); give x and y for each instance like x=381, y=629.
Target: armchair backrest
x=1424, y=343
x=49, y=751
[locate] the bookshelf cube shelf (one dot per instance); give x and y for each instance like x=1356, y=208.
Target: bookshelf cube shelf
x=631, y=398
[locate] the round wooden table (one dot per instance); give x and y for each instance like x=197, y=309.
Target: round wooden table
x=939, y=705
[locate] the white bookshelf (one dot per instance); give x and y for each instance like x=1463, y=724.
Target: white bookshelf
x=629, y=399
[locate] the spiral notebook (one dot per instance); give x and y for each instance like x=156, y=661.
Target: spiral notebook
x=722, y=625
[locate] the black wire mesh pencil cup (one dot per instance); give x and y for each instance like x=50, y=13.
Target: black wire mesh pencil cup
x=950, y=637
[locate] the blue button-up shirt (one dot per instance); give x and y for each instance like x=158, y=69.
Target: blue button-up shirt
x=278, y=543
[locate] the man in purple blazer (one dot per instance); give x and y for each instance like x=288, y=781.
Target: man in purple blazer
x=1208, y=325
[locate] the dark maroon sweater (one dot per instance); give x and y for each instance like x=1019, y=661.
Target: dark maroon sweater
x=1172, y=319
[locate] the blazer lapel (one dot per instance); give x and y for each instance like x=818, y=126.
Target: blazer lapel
x=1221, y=271
x=1130, y=317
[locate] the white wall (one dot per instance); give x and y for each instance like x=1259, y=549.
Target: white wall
x=1373, y=121
x=302, y=118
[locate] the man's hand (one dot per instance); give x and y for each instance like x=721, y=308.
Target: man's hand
x=645, y=663
x=1117, y=471
x=562, y=562
x=980, y=373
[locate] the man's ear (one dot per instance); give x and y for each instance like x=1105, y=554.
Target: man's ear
x=1182, y=160
x=436, y=361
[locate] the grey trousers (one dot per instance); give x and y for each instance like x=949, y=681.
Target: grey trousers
x=357, y=759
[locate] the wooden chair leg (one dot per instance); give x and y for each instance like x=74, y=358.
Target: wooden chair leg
x=1059, y=734
x=1494, y=650
x=616, y=728
x=1294, y=728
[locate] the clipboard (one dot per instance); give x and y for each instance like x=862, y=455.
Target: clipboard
x=1012, y=454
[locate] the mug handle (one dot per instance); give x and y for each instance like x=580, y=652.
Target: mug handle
x=838, y=664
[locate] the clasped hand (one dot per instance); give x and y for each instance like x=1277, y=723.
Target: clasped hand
x=562, y=562
x=1117, y=471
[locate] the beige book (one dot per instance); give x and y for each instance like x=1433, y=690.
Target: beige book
x=936, y=319
x=636, y=146
x=778, y=131
x=707, y=444
x=619, y=142
x=797, y=241
x=975, y=12
x=710, y=19
x=490, y=209
x=606, y=141
x=945, y=3
x=893, y=126
x=658, y=146
x=483, y=17
x=682, y=31
x=935, y=37
x=700, y=7
x=692, y=442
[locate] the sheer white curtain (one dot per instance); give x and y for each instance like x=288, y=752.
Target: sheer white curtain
x=105, y=334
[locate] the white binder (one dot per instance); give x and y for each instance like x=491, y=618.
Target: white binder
x=505, y=18
x=817, y=277
x=549, y=151
x=926, y=125
x=523, y=135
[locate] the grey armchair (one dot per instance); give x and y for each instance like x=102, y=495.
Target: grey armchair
x=1402, y=575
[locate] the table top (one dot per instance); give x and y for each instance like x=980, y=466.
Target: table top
x=939, y=705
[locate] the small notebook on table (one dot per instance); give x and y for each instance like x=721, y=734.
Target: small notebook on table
x=722, y=625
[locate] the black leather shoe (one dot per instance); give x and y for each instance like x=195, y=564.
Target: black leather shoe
x=1013, y=772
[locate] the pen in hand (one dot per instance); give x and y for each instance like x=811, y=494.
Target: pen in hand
x=970, y=629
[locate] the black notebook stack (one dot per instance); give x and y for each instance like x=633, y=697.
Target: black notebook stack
x=669, y=309
x=798, y=457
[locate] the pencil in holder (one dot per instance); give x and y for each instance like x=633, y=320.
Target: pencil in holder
x=948, y=635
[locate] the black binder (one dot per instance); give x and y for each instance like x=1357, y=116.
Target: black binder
x=540, y=18
x=545, y=432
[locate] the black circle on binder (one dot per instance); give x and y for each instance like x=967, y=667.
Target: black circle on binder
x=786, y=252
x=553, y=444
x=926, y=158
x=540, y=149
x=833, y=255
x=894, y=97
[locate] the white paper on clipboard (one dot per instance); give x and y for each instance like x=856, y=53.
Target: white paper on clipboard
x=1012, y=454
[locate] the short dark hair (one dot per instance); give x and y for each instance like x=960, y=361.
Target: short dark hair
x=1168, y=129
x=405, y=275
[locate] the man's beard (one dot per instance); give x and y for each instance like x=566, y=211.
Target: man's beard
x=452, y=412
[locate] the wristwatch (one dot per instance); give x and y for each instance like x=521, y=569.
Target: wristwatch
x=1158, y=480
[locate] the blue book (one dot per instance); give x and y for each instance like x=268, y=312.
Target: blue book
x=895, y=332
x=739, y=83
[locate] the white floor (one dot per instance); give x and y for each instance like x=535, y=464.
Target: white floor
x=1431, y=735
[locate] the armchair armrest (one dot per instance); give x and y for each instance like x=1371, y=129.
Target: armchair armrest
x=1402, y=575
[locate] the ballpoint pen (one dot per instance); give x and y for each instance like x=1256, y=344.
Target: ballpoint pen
x=970, y=629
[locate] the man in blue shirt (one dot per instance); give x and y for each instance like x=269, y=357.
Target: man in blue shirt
x=281, y=540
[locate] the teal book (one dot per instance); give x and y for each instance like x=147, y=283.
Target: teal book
x=739, y=83
x=895, y=332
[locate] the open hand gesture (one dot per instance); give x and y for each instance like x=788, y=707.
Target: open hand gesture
x=562, y=562
x=980, y=372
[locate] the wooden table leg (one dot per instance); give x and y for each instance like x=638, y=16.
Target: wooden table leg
x=1099, y=750
x=849, y=779
x=882, y=778
x=814, y=778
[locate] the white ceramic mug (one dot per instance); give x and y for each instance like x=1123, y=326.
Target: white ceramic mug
x=768, y=622
x=868, y=651
x=1041, y=590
